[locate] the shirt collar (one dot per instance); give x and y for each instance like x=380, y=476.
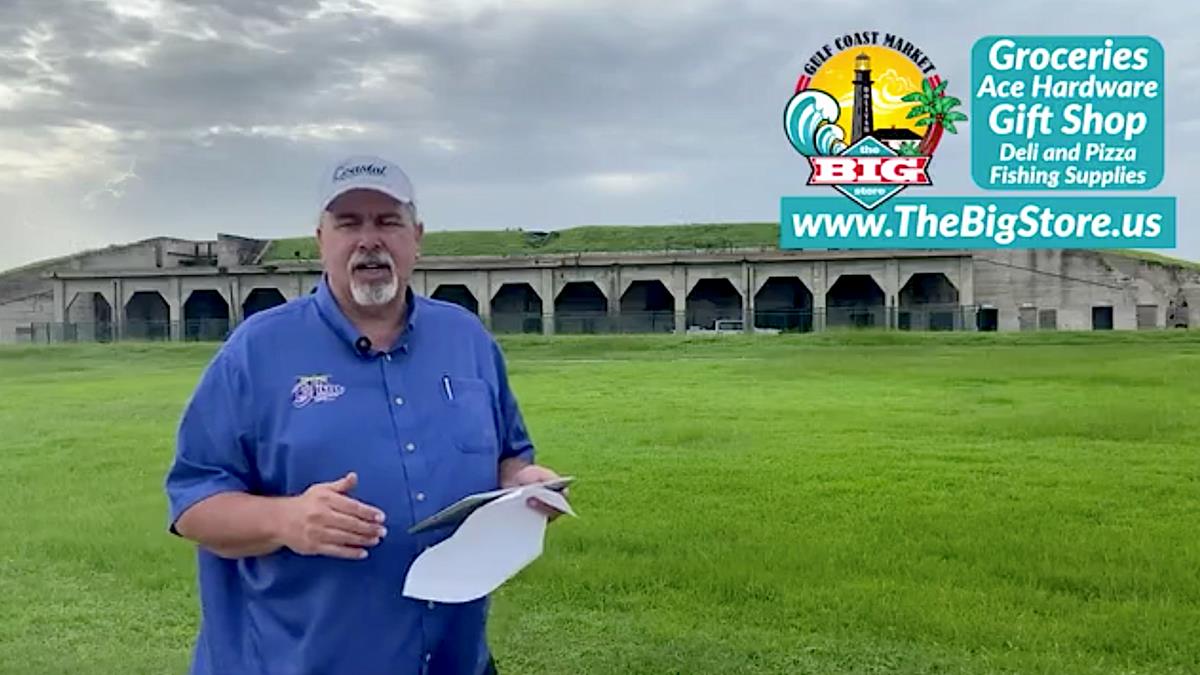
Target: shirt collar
x=331, y=311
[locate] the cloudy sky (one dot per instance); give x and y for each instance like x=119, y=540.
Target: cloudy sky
x=125, y=119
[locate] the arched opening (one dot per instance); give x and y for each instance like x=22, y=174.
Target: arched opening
x=260, y=299
x=647, y=307
x=458, y=294
x=928, y=301
x=580, y=307
x=516, y=308
x=785, y=304
x=855, y=301
x=147, y=317
x=205, y=316
x=89, y=318
x=713, y=300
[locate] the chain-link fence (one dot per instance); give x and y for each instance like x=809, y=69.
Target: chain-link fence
x=728, y=320
x=196, y=330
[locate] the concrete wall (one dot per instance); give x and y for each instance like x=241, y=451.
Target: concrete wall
x=235, y=251
x=152, y=254
x=1072, y=283
x=1191, y=293
x=17, y=285
x=159, y=253
x=21, y=312
x=82, y=309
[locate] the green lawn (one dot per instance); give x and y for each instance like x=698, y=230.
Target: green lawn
x=817, y=504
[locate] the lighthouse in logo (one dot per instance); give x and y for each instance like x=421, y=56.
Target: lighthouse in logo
x=863, y=123
x=869, y=117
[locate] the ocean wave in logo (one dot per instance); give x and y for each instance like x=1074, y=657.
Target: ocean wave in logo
x=810, y=121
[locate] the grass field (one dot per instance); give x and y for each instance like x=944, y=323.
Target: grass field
x=821, y=504
x=570, y=240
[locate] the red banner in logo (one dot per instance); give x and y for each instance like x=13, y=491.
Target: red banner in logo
x=843, y=170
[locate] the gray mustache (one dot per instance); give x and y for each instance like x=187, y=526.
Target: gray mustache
x=359, y=260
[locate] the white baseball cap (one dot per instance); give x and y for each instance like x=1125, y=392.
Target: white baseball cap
x=366, y=172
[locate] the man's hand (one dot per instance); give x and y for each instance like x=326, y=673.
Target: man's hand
x=515, y=473
x=324, y=521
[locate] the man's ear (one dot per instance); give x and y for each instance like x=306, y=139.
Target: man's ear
x=420, y=234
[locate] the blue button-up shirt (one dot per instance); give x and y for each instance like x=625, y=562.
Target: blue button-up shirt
x=290, y=400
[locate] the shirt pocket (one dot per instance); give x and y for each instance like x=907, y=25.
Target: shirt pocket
x=472, y=418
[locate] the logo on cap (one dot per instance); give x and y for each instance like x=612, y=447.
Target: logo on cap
x=366, y=172
x=344, y=172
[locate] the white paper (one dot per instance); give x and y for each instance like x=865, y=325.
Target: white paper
x=495, y=542
x=458, y=511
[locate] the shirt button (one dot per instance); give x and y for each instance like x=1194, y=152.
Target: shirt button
x=428, y=656
x=431, y=604
x=399, y=401
x=420, y=496
x=409, y=447
x=387, y=357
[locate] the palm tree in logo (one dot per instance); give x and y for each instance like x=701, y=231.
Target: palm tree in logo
x=939, y=115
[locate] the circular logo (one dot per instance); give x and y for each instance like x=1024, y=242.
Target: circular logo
x=890, y=93
x=869, y=116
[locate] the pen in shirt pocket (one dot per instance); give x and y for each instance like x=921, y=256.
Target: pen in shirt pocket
x=446, y=386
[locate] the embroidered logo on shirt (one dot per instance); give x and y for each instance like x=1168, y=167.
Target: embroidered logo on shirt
x=314, y=389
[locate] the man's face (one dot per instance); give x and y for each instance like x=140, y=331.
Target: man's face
x=369, y=244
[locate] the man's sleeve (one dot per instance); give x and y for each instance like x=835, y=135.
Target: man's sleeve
x=212, y=443
x=514, y=436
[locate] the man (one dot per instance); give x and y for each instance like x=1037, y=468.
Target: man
x=320, y=432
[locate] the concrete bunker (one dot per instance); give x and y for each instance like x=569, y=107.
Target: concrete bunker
x=147, y=317
x=205, y=316
x=713, y=300
x=458, y=294
x=784, y=303
x=516, y=308
x=855, y=301
x=928, y=301
x=580, y=307
x=260, y=299
x=647, y=307
x=89, y=318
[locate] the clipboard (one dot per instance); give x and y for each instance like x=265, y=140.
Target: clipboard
x=459, y=510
